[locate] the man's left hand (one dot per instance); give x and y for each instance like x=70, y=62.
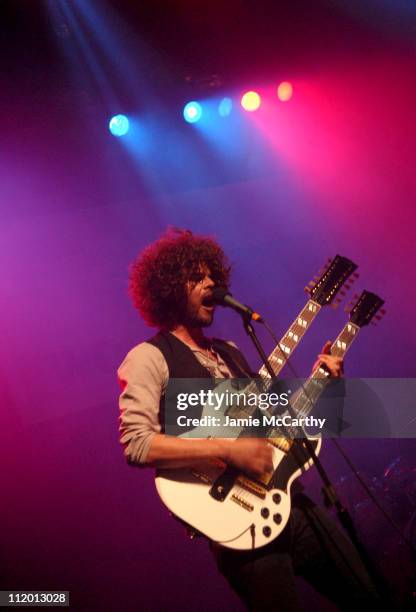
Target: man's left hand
x=335, y=365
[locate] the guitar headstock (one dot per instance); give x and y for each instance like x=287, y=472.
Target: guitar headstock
x=367, y=308
x=324, y=288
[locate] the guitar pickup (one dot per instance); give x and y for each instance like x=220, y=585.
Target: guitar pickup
x=242, y=502
x=283, y=444
x=251, y=487
x=202, y=477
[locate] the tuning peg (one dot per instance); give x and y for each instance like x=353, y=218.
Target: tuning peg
x=307, y=289
x=348, y=308
x=382, y=312
x=349, y=283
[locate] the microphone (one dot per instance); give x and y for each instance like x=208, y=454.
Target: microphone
x=223, y=297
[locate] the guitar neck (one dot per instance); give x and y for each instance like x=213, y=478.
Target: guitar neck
x=307, y=397
x=281, y=353
x=291, y=338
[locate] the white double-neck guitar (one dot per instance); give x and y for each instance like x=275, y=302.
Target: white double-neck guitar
x=240, y=512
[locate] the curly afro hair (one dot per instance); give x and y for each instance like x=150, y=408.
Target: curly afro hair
x=159, y=275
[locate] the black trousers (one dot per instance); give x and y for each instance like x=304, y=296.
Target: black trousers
x=311, y=545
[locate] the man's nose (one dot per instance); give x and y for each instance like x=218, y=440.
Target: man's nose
x=208, y=282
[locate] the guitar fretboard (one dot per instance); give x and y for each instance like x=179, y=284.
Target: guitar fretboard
x=279, y=356
x=307, y=397
x=291, y=339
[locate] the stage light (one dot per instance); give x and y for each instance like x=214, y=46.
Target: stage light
x=225, y=107
x=250, y=101
x=119, y=125
x=284, y=91
x=192, y=112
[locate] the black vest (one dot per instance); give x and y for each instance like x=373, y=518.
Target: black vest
x=182, y=364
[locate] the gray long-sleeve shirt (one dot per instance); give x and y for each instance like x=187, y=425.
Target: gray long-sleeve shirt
x=143, y=376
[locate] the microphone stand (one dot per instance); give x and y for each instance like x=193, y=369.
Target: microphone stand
x=329, y=492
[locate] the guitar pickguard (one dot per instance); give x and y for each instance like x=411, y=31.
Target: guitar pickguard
x=294, y=460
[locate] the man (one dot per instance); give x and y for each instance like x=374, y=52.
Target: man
x=171, y=285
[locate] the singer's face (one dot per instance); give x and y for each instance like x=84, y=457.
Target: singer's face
x=200, y=311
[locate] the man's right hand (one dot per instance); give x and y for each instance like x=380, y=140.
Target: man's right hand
x=250, y=455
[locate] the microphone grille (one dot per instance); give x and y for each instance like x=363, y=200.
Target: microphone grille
x=219, y=293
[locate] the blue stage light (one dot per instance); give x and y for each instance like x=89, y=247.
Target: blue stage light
x=119, y=125
x=225, y=107
x=192, y=112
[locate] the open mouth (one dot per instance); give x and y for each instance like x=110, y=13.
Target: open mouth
x=208, y=301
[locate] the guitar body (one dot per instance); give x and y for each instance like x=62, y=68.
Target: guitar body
x=228, y=507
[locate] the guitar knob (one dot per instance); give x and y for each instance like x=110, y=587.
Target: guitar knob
x=267, y=531
x=265, y=513
x=277, y=518
x=277, y=498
